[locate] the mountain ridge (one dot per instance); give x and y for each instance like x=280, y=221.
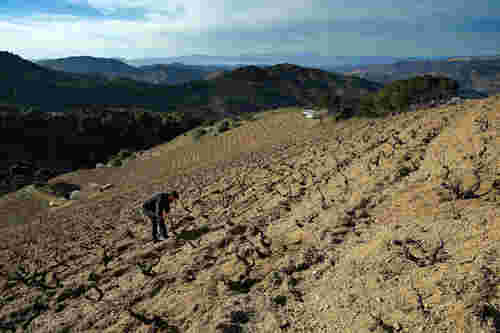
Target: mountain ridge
x=38, y=85
x=175, y=73
x=480, y=73
x=307, y=60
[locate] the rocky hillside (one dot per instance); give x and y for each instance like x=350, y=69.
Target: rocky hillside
x=285, y=225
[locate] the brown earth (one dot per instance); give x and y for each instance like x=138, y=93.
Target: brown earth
x=285, y=225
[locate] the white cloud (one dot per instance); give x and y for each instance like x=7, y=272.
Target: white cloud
x=174, y=27
x=65, y=35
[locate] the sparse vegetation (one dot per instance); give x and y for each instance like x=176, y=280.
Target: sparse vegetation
x=198, y=133
x=121, y=157
x=146, y=269
x=280, y=300
x=223, y=126
x=280, y=227
x=59, y=189
x=194, y=234
x=248, y=116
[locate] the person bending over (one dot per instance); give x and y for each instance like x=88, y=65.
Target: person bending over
x=156, y=208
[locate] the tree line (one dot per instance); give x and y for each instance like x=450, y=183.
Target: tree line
x=397, y=96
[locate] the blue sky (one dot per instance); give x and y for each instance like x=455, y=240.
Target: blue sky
x=37, y=29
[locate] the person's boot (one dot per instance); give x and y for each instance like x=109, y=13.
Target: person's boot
x=163, y=229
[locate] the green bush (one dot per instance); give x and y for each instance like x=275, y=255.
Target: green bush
x=116, y=162
x=209, y=122
x=94, y=277
x=124, y=153
x=276, y=278
x=293, y=282
x=140, y=116
x=60, y=189
x=280, y=300
x=223, y=126
x=404, y=171
x=198, y=133
x=248, y=116
x=119, y=159
x=193, y=234
x=72, y=293
x=59, y=307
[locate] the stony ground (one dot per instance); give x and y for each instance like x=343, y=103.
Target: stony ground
x=285, y=225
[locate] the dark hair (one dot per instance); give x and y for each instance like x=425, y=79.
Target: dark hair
x=174, y=194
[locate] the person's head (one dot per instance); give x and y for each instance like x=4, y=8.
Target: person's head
x=172, y=196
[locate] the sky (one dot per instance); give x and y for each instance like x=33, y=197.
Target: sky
x=134, y=29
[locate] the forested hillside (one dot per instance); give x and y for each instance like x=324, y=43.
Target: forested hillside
x=113, y=68
x=245, y=89
x=398, y=96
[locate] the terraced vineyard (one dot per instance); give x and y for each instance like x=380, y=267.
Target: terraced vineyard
x=258, y=135
x=284, y=226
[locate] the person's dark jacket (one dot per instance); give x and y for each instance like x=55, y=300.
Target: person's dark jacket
x=157, y=203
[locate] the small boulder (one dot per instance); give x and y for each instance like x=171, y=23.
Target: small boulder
x=100, y=165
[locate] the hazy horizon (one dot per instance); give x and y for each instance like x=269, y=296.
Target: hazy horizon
x=139, y=29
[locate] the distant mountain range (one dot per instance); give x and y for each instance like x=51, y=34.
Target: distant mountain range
x=175, y=73
x=248, y=88
x=480, y=74
x=178, y=70
x=305, y=59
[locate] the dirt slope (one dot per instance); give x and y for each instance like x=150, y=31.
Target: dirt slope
x=286, y=225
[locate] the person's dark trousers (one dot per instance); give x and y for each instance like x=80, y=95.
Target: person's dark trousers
x=157, y=220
